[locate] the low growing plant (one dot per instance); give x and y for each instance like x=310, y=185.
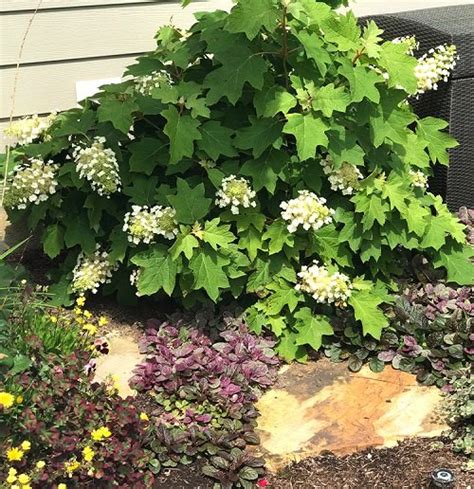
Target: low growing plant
x=268, y=154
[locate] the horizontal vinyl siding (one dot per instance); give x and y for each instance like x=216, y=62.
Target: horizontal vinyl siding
x=31, y=5
x=80, y=33
x=42, y=88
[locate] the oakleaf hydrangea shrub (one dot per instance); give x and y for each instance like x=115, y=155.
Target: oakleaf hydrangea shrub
x=203, y=393
x=268, y=154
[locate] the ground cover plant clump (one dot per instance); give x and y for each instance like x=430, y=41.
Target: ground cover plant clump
x=267, y=154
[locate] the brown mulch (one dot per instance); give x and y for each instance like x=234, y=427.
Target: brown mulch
x=406, y=466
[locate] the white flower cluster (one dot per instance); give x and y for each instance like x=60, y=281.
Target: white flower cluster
x=435, y=66
x=144, y=223
x=32, y=182
x=98, y=165
x=235, y=192
x=345, y=178
x=26, y=130
x=91, y=272
x=409, y=41
x=145, y=84
x=307, y=210
x=324, y=287
x=418, y=179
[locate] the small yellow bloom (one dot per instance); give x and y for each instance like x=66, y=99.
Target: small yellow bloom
x=62, y=486
x=26, y=486
x=87, y=314
x=23, y=478
x=77, y=311
x=103, y=321
x=90, y=328
x=40, y=464
x=101, y=433
x=144, y=417
x=26, y=445
x=12, y=471
x=15, y=454
x=53, y=319
x=11, y=479
x=15, y=486
x=80, y=301
x=19, y=399
x=80, y=321
x=6, y=399
x=88, y=454
x=71, y=466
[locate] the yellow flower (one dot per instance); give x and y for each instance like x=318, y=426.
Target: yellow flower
x=88, y=454
x=87, y=314
x=62, y=486
x=80, y=321
x=26, y=486
x=80, y=301
x=26, y=445
x=23, y=478
x=77, y=311
x=103, y=321
x=6, y=399
x=53, y=319
x=15, y=454
x=12, y=471
x=71, y=466
x=40, y=464
x=144, y=417
x=90, y=328
x=15, y=486
x=11, y=479
x=19, y=399
x=101, y=433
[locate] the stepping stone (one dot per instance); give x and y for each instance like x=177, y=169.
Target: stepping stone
x=120, y=362
x=322, y=406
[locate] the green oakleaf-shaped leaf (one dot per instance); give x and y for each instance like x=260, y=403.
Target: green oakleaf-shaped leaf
x=265, y=170
x=438, y=141
x=278, y=236
x=288, y=348
x=249, y=16
x=372, y=207
x=416, y=217
x=268, y=103
x=217, y=235
x=315, y=49
x=182, y=131
x=328, y=245
x=372, y=40
x=239, y=66
x=342, y=30
x=458, y=262
x=362, y=81
x=399, y=65
x=216, y=140
x=366, y=310
x=53, y=240
x=329, y=99
x=208, y=273
x=309, y=131
x=311, y=328
x=78, y=232
x=118, y=112
x=185, y=243
x=283, y=296
x=157, y=270
x=250, y=239
x=146, y=154
x=190, y=203
x=259, y=136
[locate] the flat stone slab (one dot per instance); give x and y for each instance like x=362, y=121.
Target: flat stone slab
x=322, y=406
x=120, y=362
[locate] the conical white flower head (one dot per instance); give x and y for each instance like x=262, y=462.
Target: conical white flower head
x=235, y=193
x=345, y=178
x=26, y=130
x=91, y=272
x=418, y=179
x=435, y=66
x=32, y=183
x=307, y=210
x=324, y=287
x=144, y=223
x=147, y=83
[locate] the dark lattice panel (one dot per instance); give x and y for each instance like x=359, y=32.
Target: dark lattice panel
x=453, y=101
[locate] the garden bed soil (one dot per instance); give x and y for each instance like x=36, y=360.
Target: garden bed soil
x=406, y=466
